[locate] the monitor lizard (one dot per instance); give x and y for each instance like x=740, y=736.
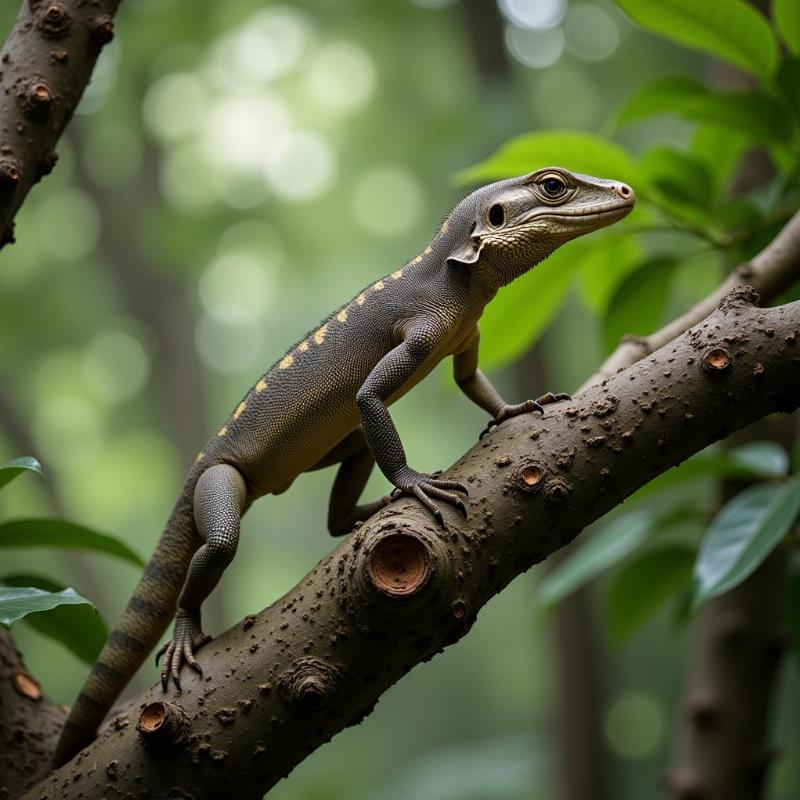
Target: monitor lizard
x=325, y=402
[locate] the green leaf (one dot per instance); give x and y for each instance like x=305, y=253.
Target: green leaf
x=729, y=29
x=786, y=18
x=614, y=542
x=682, y=177
x=793, y=613
x=11, y=469
x=789, y=83
x=604, y=265
x=751, y=113
x=638, y=303
x=59, y=533
x=756, y=460
x=575, y=150
x=78, y=627
x=642, y=587
x=743, y=534
x=521, y=310
x=720, y=149
x=15, y=603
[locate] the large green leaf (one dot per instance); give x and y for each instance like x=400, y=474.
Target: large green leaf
x=720, y=149
x=610, y=545
x=78, y=627
x=11, y=469
x=680, y=176
x=751, y=113
x=639, y=300
x=574, y=150
x=743, y=534
x=641, y=588
x=605, y=262
x=755, y=460
x=521, y=310
x=59, y=533
x=15, y=603
x=729, y=29
x=786, y=17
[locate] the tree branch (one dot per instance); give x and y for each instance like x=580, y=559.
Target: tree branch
x=400, y=589
x=46, y=62
x=31, y=723
x=770, y=273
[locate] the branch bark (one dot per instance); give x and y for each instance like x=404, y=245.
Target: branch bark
x=45, y=65
x=31, y=723
x=399, y=589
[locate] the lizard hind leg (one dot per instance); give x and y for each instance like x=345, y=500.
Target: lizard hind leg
x=219, y=500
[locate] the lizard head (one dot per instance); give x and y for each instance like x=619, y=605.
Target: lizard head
x=514, y=224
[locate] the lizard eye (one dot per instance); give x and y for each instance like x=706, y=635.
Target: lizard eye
x=497, y=215
x=553, y=187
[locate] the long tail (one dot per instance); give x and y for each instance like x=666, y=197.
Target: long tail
x=143, y=622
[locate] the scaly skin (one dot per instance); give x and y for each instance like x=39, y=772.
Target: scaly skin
x=325, y=402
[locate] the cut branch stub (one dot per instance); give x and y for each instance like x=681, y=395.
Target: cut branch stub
x=161, y=725
x=530, y=477
x=716, y=361
x=399, y=565
x=27, y=686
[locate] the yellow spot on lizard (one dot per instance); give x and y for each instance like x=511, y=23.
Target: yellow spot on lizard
x=241, y=407
x=378, y=286
x=342, y=315
x=445, y=225
x=303, y=347
x=286, y=362
x=222, y=431
x=261, y=385
x=319, y=336
x=416, y=259
x=200, y=456
x=397, y=275
x=428, y=250
x=360, y=299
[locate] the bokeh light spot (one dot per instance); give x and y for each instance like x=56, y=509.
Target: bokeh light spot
x=387, y=201
x=533, y=14
x=340, y=77
x=591, y=32
x=535, y=48
x=634, y=725
x=115, y=366
x=300, y=167
x=225, y=347
x=175, y=106
x=237, y=288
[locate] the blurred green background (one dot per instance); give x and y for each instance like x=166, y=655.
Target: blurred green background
x=235, y=171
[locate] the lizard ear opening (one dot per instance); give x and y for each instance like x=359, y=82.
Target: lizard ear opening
x=466, y=254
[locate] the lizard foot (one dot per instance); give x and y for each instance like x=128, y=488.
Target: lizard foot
x=511, y=410
x=548, y=398
x=187, y=637
x=425, y=487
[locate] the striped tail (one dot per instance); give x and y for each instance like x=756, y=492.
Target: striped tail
x=143, y=623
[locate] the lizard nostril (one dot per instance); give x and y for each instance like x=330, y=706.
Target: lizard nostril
x=624, y=191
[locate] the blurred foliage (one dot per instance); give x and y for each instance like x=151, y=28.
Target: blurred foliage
x=234, y=173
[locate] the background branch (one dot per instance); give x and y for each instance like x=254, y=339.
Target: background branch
x=45, y=65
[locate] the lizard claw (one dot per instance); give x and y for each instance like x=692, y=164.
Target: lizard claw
x=512, y=410
x=187, y=637
x=426, y=487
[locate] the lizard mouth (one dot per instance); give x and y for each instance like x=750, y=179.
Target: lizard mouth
x=602, y=211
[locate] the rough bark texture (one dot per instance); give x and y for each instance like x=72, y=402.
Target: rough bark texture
x=46, y=62
x=736, y=652
x=399, y=589
x=30, y=726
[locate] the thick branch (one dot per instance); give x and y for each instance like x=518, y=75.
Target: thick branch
x=400, y=589
x=30, y=726
x=46, y=63
x=770, y=273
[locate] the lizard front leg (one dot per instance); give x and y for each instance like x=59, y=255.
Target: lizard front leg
x=478, y=388
x=390, y=374
x=219, y=500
